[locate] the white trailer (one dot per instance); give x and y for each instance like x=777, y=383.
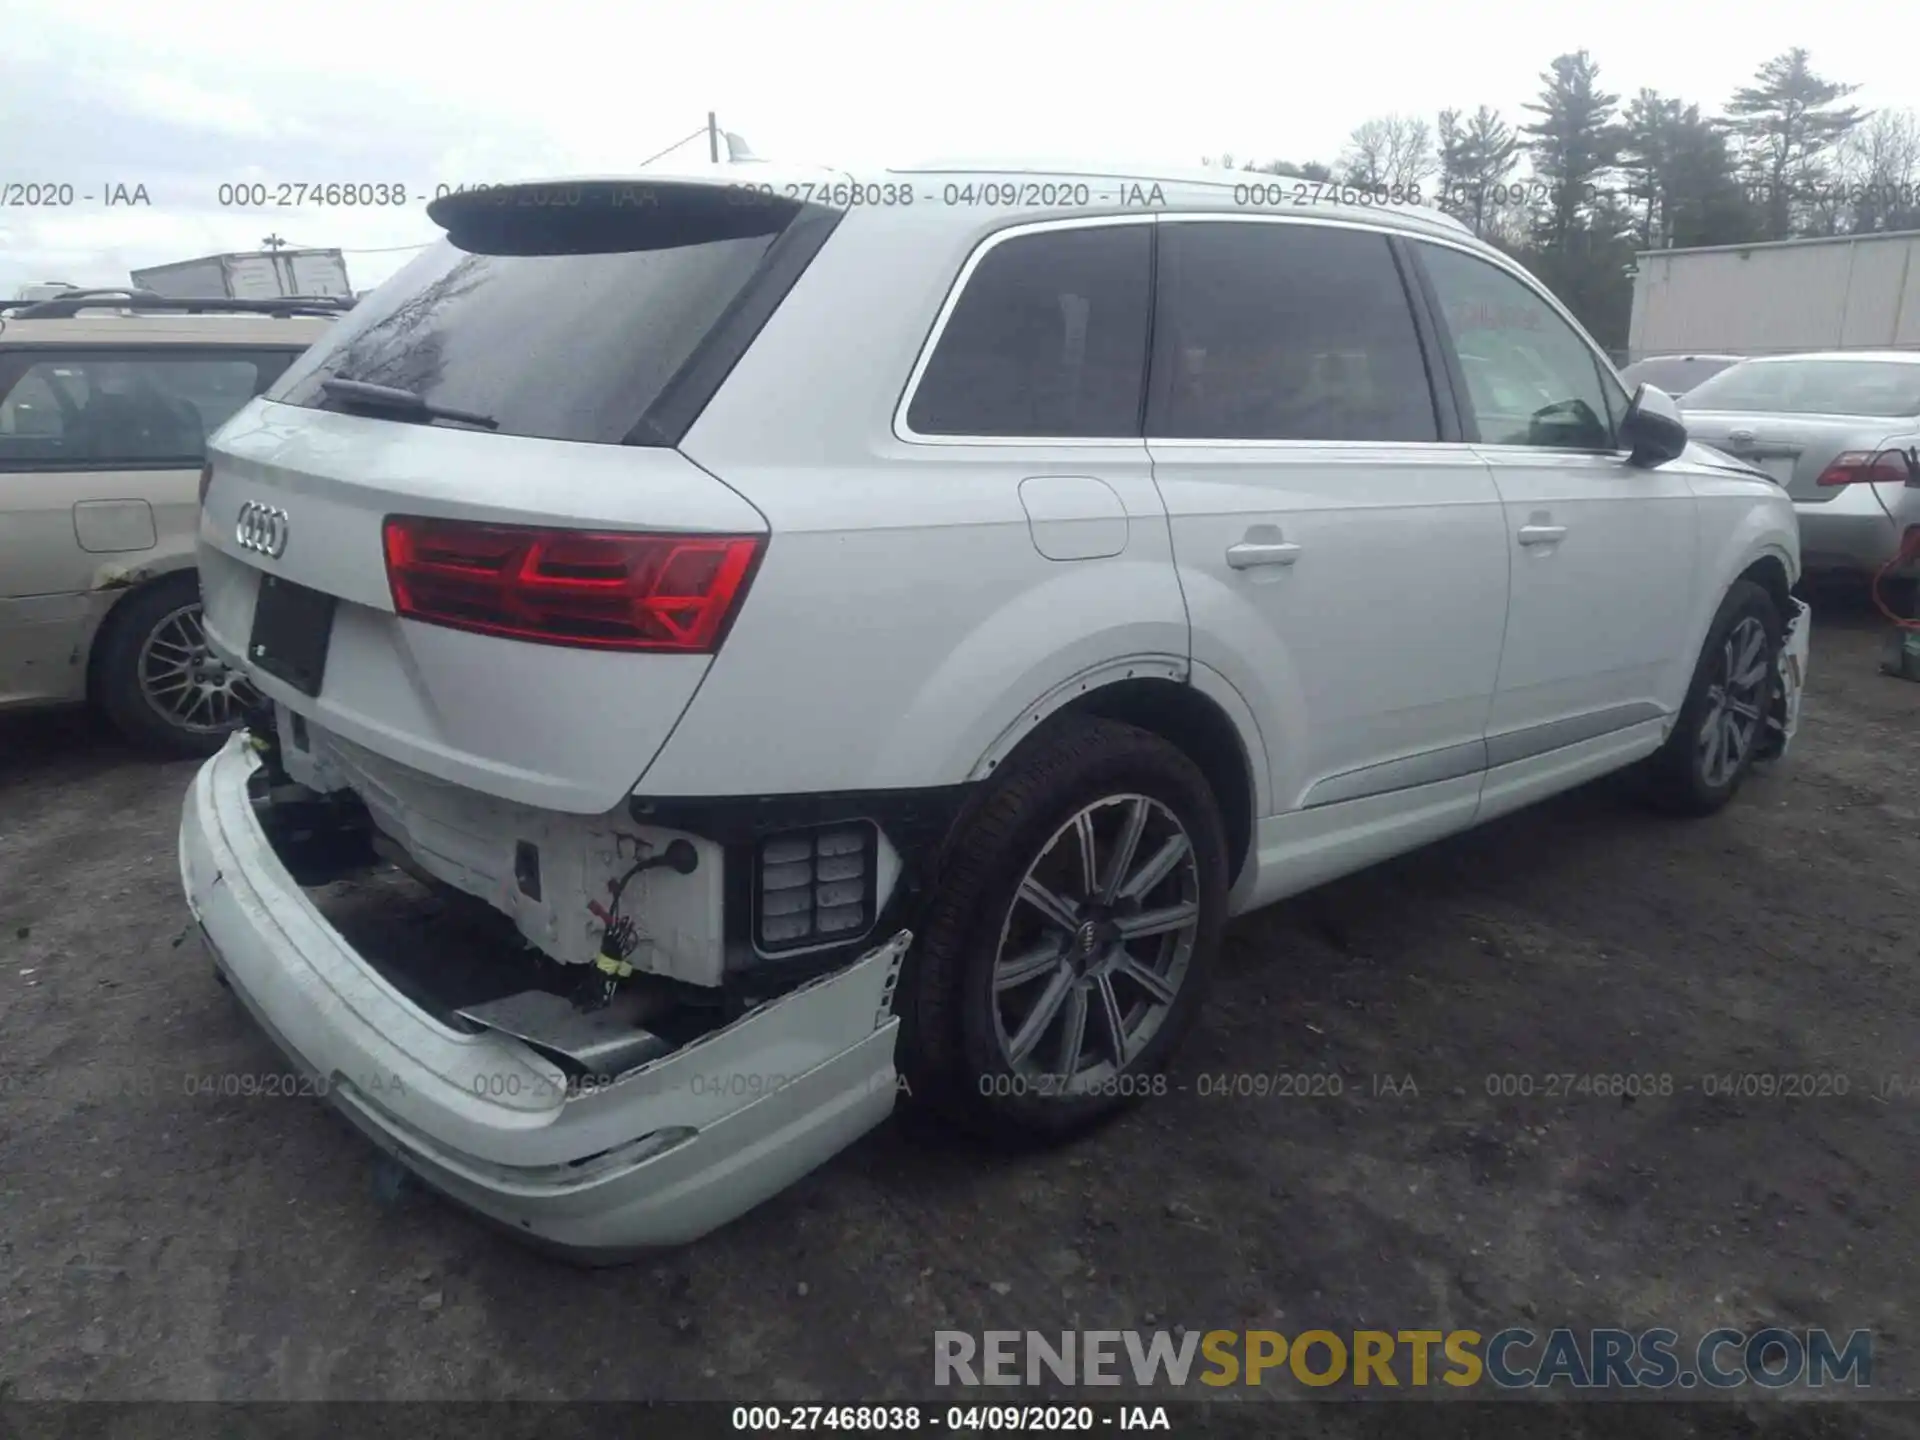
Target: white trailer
x=254, y=275
x=1853, y=292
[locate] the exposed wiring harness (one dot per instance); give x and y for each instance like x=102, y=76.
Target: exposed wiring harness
x=619, y=936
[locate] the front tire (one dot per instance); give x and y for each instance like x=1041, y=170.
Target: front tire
x=1723, y=723
x=1067, y=948
x=158, y=681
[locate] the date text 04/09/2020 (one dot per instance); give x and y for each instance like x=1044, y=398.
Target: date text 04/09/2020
x=957, y=1419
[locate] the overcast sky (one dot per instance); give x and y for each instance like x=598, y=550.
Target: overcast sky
x=185, y=95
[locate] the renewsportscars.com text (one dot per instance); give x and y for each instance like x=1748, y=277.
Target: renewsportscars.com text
x=1510, y=1359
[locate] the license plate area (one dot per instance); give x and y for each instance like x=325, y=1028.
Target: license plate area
x=292, y=628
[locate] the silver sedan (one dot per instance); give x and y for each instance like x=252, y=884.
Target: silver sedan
x=1832, y=429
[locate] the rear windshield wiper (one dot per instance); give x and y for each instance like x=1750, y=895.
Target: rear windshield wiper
x=405, y=402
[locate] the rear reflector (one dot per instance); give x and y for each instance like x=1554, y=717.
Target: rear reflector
x=814, y=887
x=601, y=590
x=1863, y=467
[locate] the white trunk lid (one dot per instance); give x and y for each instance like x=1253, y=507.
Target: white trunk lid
x=546, y=725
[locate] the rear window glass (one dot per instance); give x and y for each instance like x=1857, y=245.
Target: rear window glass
x=1813, y=387
x=566, y=319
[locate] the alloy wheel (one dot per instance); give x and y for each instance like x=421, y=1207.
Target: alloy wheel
x=1736, y=703
x=1096, y=944
x=185, y=681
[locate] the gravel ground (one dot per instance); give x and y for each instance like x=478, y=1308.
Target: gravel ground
x=162, y=1245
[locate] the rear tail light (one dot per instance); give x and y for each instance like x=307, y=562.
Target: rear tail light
x=206, y=479
x=814, y=887
x=1864, y=467
x=602, y=590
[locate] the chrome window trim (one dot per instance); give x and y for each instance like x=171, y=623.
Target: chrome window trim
x=905, y=432
x=1423, y=446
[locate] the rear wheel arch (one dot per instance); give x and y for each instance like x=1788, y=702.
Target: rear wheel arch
x=1177, y=711
x=115, y=615
x=114, y=659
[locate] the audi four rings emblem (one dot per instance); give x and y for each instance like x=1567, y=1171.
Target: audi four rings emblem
x=262, y=528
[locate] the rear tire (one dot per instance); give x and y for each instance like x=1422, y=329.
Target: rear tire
x=1049, y=991
x=157, y=681
x=1723, y=722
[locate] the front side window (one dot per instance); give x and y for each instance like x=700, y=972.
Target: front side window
x=1531, y=380
x=1285, y=332
x=1048, y=340
x=100, y=411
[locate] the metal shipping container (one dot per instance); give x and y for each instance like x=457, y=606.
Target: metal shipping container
x=256, y=275
x=1854, y=292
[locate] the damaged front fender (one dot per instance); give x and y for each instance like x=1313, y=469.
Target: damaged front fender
x=1783, y=720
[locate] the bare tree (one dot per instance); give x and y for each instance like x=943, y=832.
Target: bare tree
x=1391, y=152
x=1877, y=174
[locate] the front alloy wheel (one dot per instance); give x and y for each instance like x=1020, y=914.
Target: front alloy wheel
x=1737, y=695
x=1096, y=944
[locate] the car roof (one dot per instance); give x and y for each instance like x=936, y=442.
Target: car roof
x=123, y=327
x=1113, y=188
x=1905, y=357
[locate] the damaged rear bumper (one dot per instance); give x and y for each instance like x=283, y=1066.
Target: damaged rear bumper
x=658, y=1157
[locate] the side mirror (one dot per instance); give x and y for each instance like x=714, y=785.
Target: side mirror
x=1653, y=429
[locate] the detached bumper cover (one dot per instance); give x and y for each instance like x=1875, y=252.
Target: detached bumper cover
x=1784, y=722
x=659, y=1157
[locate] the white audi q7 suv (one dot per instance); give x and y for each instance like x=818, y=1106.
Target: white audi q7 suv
x=864, y=636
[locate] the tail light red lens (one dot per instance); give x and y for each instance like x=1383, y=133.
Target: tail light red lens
x=1863, y=467
x=602, y=590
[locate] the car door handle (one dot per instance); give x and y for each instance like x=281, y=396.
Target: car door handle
x=1541, y=534
x=1249, y=553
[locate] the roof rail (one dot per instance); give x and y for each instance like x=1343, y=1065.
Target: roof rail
x=63, y=307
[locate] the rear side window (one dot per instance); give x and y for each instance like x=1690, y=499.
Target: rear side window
x=1048, y=340
x=1285, y=332
x=102, y=410
x=572, y=312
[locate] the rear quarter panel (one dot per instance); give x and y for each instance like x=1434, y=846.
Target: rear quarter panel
x=903, y=621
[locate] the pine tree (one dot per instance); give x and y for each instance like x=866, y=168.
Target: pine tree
x=1786, y=120
x=1573, y=145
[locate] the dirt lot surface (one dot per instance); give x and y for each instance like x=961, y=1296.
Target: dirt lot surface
x=174, y=1245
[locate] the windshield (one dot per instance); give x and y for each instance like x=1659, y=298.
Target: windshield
x=1814, y=387
x=563, y=322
